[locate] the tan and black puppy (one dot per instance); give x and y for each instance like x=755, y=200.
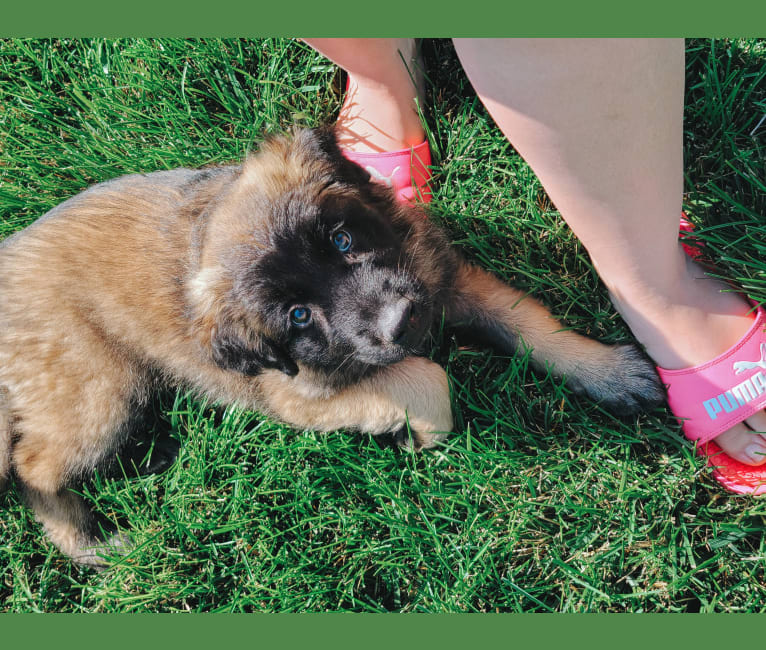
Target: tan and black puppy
x=291, y=284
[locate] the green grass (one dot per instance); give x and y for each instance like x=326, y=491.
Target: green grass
x=538, y=502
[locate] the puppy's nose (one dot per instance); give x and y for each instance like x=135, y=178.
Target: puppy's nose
x=393, y=320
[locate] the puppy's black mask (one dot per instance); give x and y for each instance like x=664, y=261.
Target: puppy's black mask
x=336, y=285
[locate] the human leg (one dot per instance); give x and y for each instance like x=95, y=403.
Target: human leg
x=600, y=123
x=379, y=112
x=378, y=126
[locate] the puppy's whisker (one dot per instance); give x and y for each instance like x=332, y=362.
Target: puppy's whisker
x=348, y=358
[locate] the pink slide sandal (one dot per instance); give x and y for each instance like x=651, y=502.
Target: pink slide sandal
x=714, y=396
x=406, y=171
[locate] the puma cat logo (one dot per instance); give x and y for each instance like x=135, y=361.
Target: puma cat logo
x=388, y=180
x=741, y=366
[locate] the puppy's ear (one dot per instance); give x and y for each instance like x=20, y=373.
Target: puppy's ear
x=232, y=352
x=326, y=141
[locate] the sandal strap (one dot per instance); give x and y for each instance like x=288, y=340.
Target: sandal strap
x=406, y=171
x=714, y=396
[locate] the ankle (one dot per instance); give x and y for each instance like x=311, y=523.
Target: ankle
x=685, y=321
x=376, y=118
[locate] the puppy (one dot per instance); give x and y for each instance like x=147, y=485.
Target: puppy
x=291, y=284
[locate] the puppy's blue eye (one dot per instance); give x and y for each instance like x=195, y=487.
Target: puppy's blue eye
x=341, y=240
x=300, y=316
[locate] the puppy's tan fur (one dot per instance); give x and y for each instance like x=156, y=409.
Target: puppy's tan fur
x=124, y=287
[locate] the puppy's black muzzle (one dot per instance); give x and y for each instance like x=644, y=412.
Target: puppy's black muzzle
x=394, y=321
x=390, y=316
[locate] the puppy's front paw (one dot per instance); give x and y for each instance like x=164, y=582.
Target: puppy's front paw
x=624, y=383
x=423, y=413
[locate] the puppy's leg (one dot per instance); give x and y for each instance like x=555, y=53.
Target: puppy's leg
x=73, y=528
x=65, y=517
x=46, y=469
x=413, y=391
x=619, y=377
x=69, y=417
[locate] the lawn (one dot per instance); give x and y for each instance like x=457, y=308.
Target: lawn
x=538, y=502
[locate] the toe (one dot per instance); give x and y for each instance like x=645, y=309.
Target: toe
x=757, y=422
x=745, y=444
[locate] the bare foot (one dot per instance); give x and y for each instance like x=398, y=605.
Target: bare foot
x=696, y=320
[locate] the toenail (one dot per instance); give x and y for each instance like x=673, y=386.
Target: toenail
x=755, y=453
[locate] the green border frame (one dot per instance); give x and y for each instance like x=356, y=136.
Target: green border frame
x=372, y=631
x=701, y=18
